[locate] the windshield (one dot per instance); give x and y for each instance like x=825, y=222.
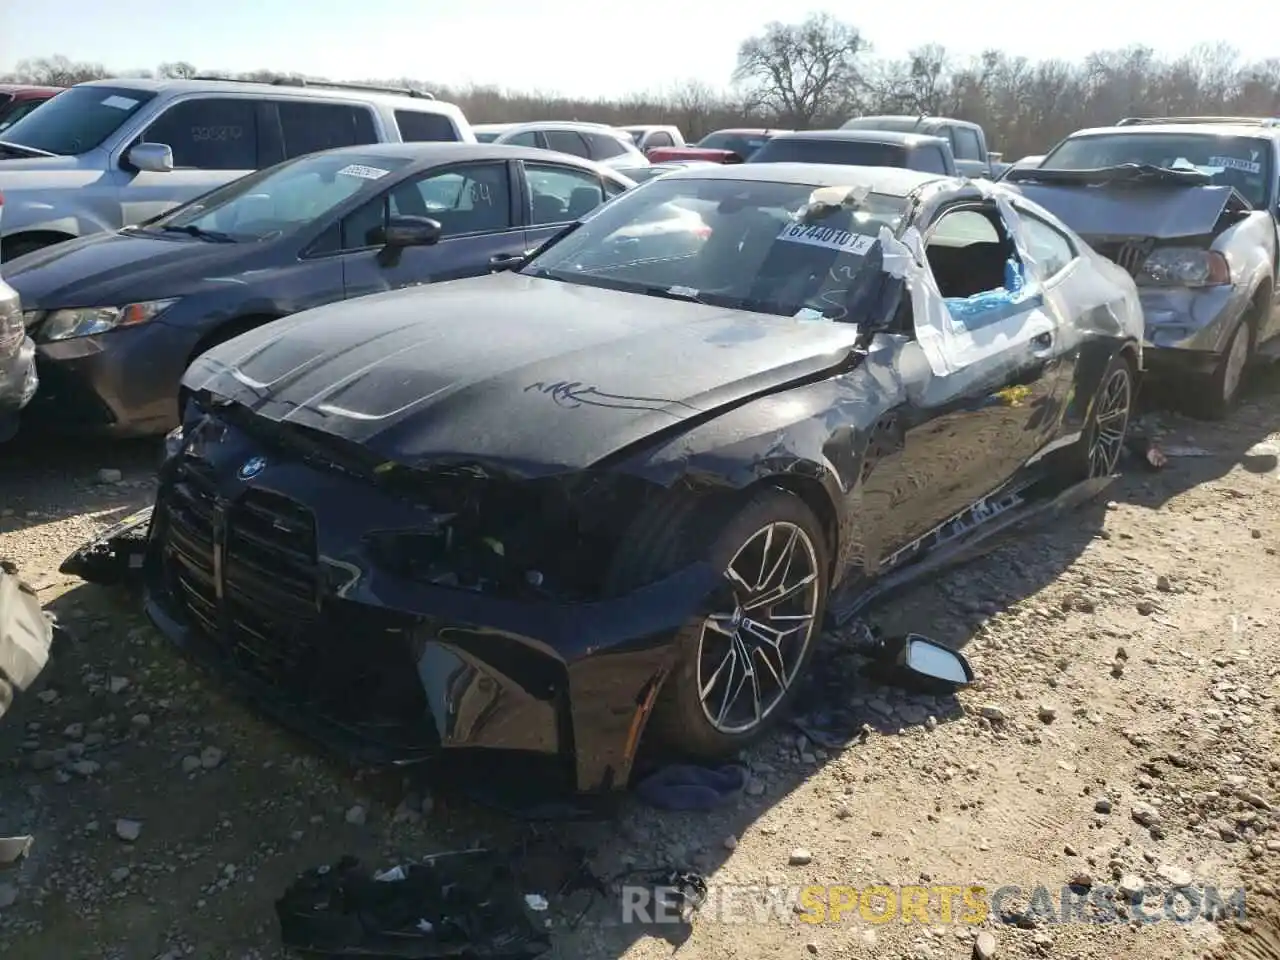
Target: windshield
x=487, y=136
x=275, y=201
x=860, y=153
x=1240, y=162
x=743, y=144
x=748, y=245
x=77, y=120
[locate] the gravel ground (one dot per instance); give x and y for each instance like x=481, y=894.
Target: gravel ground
x=1122, y=735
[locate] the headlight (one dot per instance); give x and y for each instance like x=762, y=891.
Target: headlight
x=12, y=332
x=84, y=321
x=1185, y=267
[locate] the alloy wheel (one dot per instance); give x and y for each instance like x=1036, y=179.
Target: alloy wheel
x=1237, y=355
x=1110, y=423
x=749, y=657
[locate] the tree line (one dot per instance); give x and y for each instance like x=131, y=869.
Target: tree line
x=821, y=71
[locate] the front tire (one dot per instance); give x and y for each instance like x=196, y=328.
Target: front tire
x=737, y=670
x=1218, y=394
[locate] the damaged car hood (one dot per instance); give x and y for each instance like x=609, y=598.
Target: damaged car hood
x=530, y=375
x=1159, y=210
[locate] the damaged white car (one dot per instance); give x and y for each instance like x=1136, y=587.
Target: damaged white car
x=1189, y=207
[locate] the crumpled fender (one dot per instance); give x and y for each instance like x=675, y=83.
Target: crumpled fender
x=26, y=637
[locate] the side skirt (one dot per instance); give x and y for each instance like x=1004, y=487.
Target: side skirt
x=973, y=532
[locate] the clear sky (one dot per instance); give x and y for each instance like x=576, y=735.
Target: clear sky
x=575, y=47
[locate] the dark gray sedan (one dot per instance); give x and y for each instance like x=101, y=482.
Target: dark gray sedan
x=118, y=317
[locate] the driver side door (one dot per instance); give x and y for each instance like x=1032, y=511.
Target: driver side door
x=981, y=391
x=475, y=205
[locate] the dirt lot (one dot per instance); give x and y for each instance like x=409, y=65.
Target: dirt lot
x=1123, y=735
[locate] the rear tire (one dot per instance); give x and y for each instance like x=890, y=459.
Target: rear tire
x=736, y=672
x=1215, y=396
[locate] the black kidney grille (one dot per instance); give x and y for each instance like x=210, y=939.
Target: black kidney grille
x=265, y=612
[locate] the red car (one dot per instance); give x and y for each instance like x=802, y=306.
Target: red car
x=17, y=100
x=723, y=146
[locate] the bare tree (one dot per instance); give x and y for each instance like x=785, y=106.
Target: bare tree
x=819, y=71
x=803, y=70
x=58, y=71
x=177, y=70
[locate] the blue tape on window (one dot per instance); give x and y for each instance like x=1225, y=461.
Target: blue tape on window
x=992, y=306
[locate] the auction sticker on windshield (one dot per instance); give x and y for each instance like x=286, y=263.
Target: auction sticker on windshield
x=829, y=237
x=119, y=103
x=363, y=172
x=1231, y=163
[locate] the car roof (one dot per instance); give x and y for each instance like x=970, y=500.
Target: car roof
x=28, y=89
x=892, y=181
x=867, y=136
x=749, y=131
x=550, y=125
x=919, y=119
x=423, y=103
x=1198, y=129
x=430, y=153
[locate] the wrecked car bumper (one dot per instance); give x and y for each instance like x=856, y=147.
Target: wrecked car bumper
x=119, y=384
x=388, y=670
x=1186, y=329
x=18, y=383
x=26, y=637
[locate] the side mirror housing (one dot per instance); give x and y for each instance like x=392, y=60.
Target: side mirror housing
x=403, y=232
x=150, y=157
x=921, y=663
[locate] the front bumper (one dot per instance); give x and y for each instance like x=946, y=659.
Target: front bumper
x=122, y=383
x=1187, y=329
x=386, y=670
x=18, y=382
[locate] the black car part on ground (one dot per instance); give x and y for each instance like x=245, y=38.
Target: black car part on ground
x=26, y=637
x=465, y=904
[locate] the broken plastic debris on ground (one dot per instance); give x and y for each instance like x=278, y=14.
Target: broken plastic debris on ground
x=458, y=904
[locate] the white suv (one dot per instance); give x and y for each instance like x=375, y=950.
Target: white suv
x=112, y=153
x=592, y=141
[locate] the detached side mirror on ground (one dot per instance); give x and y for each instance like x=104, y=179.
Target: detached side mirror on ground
x=150, y=157
x=915, y=661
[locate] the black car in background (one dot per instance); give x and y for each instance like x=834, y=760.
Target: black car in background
x=118, y=317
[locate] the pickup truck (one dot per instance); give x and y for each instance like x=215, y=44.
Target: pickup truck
x=862, y=148
x=968, y=141
x=723, y=146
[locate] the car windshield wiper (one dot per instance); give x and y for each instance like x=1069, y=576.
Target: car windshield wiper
x=191, y=230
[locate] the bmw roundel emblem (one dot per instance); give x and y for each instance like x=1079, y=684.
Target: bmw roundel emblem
x=252, y=467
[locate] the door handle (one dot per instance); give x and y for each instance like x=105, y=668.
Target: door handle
x=505, y=261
